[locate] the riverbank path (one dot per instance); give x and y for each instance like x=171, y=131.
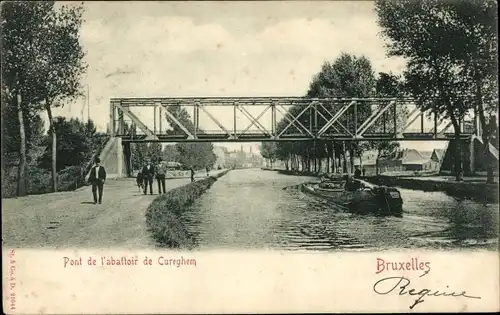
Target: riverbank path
x=70, y=219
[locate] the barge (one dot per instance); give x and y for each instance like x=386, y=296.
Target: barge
x=358, y=196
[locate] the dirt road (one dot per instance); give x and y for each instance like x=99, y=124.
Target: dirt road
x=70, y=219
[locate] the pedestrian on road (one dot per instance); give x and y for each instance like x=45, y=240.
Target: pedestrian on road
x=357, y=172
x=148, y=173
x=97, y=178
x=161, y=170
x=192, y=174
x=208, y=174
x=364, y=172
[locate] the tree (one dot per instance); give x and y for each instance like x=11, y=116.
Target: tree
x=22, y=24
x=37, y=44
x=170, y=153
x=75, y=143
x=451, y=48
x=347, y=76
x=388, y=85
x=139, y=154
x=197, y=155
x=60, y=66
x=477, y=24
x=268, y=151
x=10, y=130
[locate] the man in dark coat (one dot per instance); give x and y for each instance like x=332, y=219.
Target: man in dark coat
x=192, y=174
x=357, y=172
x=148, y=173
x=97, y=178
x=161, y=172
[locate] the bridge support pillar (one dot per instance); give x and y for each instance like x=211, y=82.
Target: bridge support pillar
x=113, y=158
x=127, y=157
x=119, y=157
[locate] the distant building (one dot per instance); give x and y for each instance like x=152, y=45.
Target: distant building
x=406, y=160
x=242, y=159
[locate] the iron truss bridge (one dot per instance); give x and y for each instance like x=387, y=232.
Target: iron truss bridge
x=255, y=119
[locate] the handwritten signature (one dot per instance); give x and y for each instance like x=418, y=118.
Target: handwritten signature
x=388, y=285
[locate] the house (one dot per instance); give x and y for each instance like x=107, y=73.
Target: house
x=412, y=160
x=402, y=161
x=438, y=155
x=435, y=160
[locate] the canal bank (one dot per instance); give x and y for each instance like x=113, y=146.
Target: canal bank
x=163, y=214
x=475, y=189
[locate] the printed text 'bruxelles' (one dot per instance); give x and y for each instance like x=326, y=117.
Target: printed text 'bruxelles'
x=413, y=264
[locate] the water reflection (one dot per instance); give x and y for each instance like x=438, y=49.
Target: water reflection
x=249, y=209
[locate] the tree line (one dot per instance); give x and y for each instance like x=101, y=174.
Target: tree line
x=42, y=66
x=451, y=48
x=348, y=76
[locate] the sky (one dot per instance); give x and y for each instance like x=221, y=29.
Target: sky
x=169, y=49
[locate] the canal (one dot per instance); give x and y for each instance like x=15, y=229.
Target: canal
x=249, y=209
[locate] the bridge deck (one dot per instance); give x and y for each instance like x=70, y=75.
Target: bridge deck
x=69, y=219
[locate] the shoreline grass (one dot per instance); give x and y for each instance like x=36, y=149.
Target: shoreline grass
x=163, y=216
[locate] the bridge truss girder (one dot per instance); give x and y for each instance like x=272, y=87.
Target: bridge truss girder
x=312, y=119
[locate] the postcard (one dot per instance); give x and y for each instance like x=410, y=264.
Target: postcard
x=249, y=157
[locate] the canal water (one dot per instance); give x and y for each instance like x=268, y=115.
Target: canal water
x=248, y=209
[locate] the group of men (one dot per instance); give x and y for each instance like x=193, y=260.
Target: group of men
x=149, y=173
x=97, y=177
x=145, y=178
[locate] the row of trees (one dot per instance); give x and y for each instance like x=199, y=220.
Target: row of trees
x=452, y=50
x=347, y=77
x=76, y=143
x=42, y=65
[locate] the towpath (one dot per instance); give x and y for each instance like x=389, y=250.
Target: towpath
x=70, y=219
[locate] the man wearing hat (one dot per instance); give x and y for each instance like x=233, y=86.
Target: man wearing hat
x=148, y=172
x=97, y=178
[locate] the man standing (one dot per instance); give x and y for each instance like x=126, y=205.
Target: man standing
x=97, y=178
x=357, y=172
x=148, y=173
x=160, y=176
x=192, y=174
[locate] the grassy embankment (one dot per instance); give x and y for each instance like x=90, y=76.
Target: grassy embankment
x=163, y=216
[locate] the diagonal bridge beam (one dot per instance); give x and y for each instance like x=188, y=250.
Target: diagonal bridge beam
x=295, y=120
x=332, y=116
x=177, y=122
x=149, y=134
x=216, y=121
x=254, y=121
x=335, y=118
x=373, y=117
